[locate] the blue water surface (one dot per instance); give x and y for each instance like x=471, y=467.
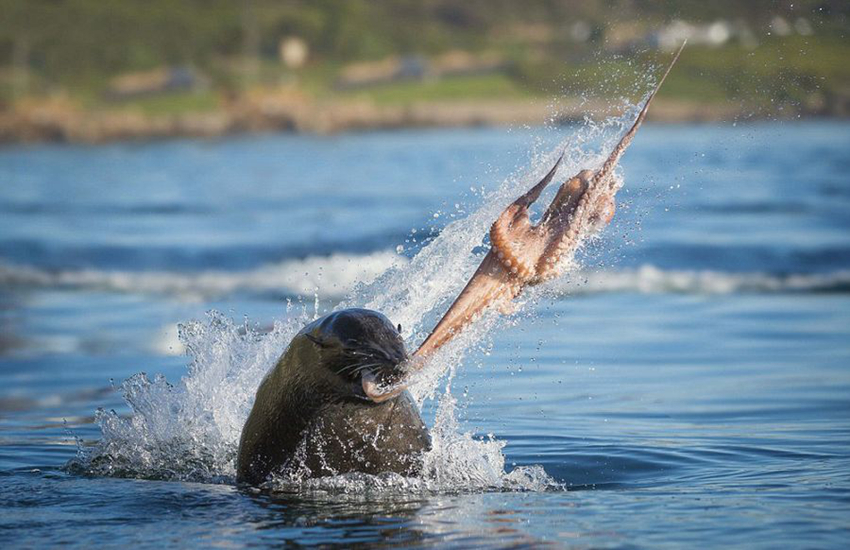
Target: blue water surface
x=703, y=402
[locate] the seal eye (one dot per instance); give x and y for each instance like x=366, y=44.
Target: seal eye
x=398, y=328
x=319, y=342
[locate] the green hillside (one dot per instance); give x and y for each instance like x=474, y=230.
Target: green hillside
x=772, y=53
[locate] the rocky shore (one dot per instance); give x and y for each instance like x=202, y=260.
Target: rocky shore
x=60, y=121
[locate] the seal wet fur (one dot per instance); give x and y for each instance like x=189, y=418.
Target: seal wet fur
x=311, y=417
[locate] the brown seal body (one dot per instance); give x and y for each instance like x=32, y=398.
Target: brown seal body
x=311, y=417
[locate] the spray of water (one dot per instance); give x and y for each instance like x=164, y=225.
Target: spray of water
x=190, y=430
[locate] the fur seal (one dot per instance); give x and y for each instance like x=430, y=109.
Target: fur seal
x=311, y=416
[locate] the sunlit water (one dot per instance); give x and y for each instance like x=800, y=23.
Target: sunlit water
x=688, y=385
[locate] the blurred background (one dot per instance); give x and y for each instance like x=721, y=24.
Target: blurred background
x=86, y=70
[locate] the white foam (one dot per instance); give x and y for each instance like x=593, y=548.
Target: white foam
x=332, y=277
x=649, y=279
x=190, y=430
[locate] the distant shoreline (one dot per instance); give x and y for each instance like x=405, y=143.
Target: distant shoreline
x=49, y=123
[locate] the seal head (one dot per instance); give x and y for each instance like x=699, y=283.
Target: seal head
x=311, y=416
x=358, y=344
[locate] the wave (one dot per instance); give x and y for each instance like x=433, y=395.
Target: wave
x=147, y=256
x=333, y=277
x=326, y=276
x=649, y=279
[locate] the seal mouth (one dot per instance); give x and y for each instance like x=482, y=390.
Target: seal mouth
x=379, y=379
x=381, y=386
x=378, y=388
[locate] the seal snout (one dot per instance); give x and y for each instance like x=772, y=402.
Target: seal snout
x=360, y=346
x=386, y=365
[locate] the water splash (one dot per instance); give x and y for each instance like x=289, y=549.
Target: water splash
x=190, y=431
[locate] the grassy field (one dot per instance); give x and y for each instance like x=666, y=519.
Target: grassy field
x=790, y=70
x=488, y=86
x=172, y=104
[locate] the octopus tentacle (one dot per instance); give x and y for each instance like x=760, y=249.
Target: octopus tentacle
x=506, y=253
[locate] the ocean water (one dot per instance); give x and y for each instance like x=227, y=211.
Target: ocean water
x=686, y=384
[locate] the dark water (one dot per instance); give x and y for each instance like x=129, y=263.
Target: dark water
x=694, y=391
